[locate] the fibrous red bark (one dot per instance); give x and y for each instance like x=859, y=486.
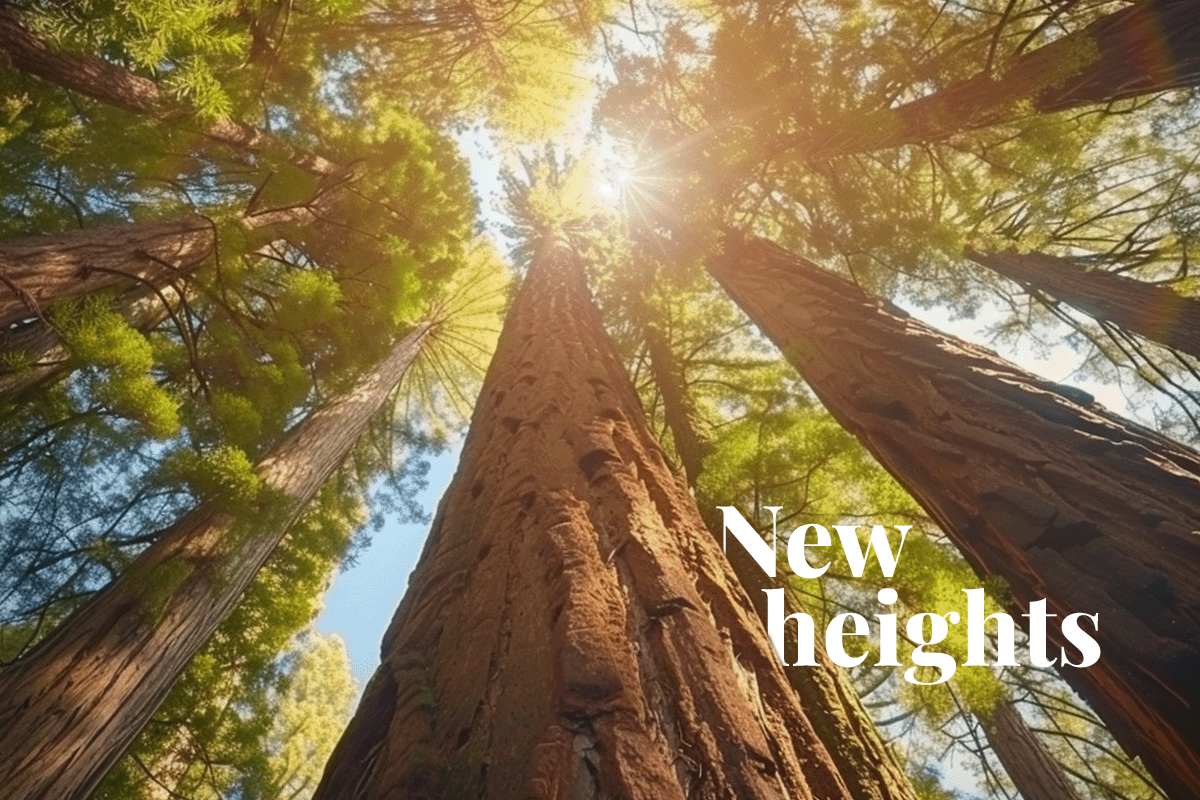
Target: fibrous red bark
x=572, y=630
x=1151, y=310
x=1142, y=49
x=1032, y=481
x=71, y=706
x=38, y=271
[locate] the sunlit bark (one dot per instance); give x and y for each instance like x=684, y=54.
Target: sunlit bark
x=71, y=706
x=1031, y=480
x=572, y=630
x=1144, y=48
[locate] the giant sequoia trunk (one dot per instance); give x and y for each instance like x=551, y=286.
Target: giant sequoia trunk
x=116, y=86
x=70, y=707
x=572, y=630
x=1147, y=309
x=39, y=271
x=1066, y=501
x=1148, y=47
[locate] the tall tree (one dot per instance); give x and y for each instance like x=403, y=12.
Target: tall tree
x=73, y=703
x=1030, y=479
x=148, y=266
x=1144, y=48
x=112, y=83
x=571, y=629
x=1153, y=310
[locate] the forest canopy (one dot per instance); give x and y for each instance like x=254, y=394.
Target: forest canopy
x=256, y=257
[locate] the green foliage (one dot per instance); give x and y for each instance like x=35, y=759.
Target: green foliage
x=120, y=359
x=223, y=473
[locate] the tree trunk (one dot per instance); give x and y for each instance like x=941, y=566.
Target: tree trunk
x=71, y=706
x=678, y=410
x=1066, y=501
x=1032, y=770
x=1150, y=310
x=146, y=261
x=39, y=271
x=1148, y=47
x=867, y=766
x=831, y=703
x=572, y=630
x=44, y=356
x=116, y=86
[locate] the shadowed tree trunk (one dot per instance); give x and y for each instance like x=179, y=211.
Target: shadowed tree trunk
x=1066, y=501
x=39, y=271
x=865, y=763
x=1032, y=770
x=1147, y=309
x=116, y=86
x=1148, y=47
x=572, y=630
x=71, y=706
x=678, y=410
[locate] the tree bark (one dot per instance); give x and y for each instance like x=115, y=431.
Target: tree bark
x=572, y=630
x=868, y=768
x=831, y=703
x=71, y=706
x=1148, y=47
x=146, y=262
x=1150, y=310
x=678, y=410
x=39, y=271
x=116, y=86
x=1032, y=770
x=1031, y=481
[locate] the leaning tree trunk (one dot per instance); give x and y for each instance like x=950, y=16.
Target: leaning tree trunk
x=867, y=766
x=39, y=271
x=1148, y=47
x=71, y=706
x=1150, y=310
x=146, y=263
x=1066, y=501
x=116, y=86
x=1032, y=770
x=572, y=630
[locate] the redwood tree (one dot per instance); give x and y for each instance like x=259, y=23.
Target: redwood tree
x=1142, y=49
x=1152, y=310
x=70, y=706
x=1030, y=479
x=572, y=630
x=111, y=83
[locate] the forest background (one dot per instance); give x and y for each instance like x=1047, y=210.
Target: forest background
x=224, y=221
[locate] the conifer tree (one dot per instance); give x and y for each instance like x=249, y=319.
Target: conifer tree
x=1030, y=479
x=572, y=629
x=73, y=703
x=1153, y=310
x=122, y=88
x=1144, y=48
